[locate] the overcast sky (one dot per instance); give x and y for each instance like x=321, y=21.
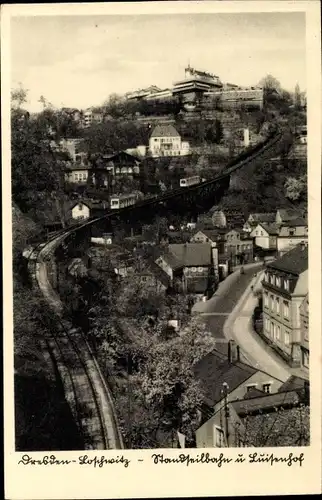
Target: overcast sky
x=80, y=60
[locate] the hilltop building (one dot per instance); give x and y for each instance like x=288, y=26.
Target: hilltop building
x=202, y=88
x=91, y=116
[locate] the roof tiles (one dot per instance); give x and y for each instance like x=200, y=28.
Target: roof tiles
x=295, y=261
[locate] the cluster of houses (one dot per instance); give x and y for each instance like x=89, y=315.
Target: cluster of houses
x=100, y=170
x=242, y=403
x=278, y=231
x=200, y=255
x=238, y=398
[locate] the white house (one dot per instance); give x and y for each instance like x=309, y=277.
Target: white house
x=291, y=234
x=80, y=211
x=166, y=141
x=265, y=235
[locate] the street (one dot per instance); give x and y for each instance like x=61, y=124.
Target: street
x=217, y=309
x=228, y=315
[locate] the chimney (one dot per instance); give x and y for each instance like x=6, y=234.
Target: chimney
x=246, y=137
x=233, y=352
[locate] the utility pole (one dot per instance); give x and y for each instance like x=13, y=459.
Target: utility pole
x=129, y=396
x=226, y=411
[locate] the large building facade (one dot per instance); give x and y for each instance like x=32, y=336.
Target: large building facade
x=285, y=288
x=201, y=88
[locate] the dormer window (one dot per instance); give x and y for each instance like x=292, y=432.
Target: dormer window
x=278, y=281
x=286, y=284
x=272, y=279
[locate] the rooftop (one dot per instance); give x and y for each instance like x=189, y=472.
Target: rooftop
x=300, y=221
x=288, y=214
x=191, y=254
x=215, y=369
x=271, y=229
x=265, y=402
x=165, y=131
x=295, y=261
x=263, y=217
x=294, y=383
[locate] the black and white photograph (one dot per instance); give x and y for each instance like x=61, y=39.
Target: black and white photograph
x=160, y=231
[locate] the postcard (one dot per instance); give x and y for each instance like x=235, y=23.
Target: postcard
x=162, y=249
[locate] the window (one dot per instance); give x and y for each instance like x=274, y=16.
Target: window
x=278, y=281
x=286, y=285
x=291, y=232
x=286, y=309
x=266, y=299
x=287, y=338
x=273, y=330
x=80, y=217
x=277, y=302
x=262, y=234
x=272, y=303
x=250, y=387
x=267, y=388
x=200, y=269
x=278, y=332
x=219, y=437
x=193, y=269
x=266, y=276
x=272, y=279
x=267, y=323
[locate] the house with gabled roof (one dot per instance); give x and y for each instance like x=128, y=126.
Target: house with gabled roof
x=265, y=235
x=287, y=214
x=291, y=233
x=257, y=218
x=234, y=243
x=224, y=378
x=165, y=140
x=190, y=267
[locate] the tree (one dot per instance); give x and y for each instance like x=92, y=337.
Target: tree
x=18, y=97
x=297, y=97
x=284, y=427
x=270, y=83
x=296, y=188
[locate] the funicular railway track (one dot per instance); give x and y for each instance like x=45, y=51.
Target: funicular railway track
x=86, y=390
